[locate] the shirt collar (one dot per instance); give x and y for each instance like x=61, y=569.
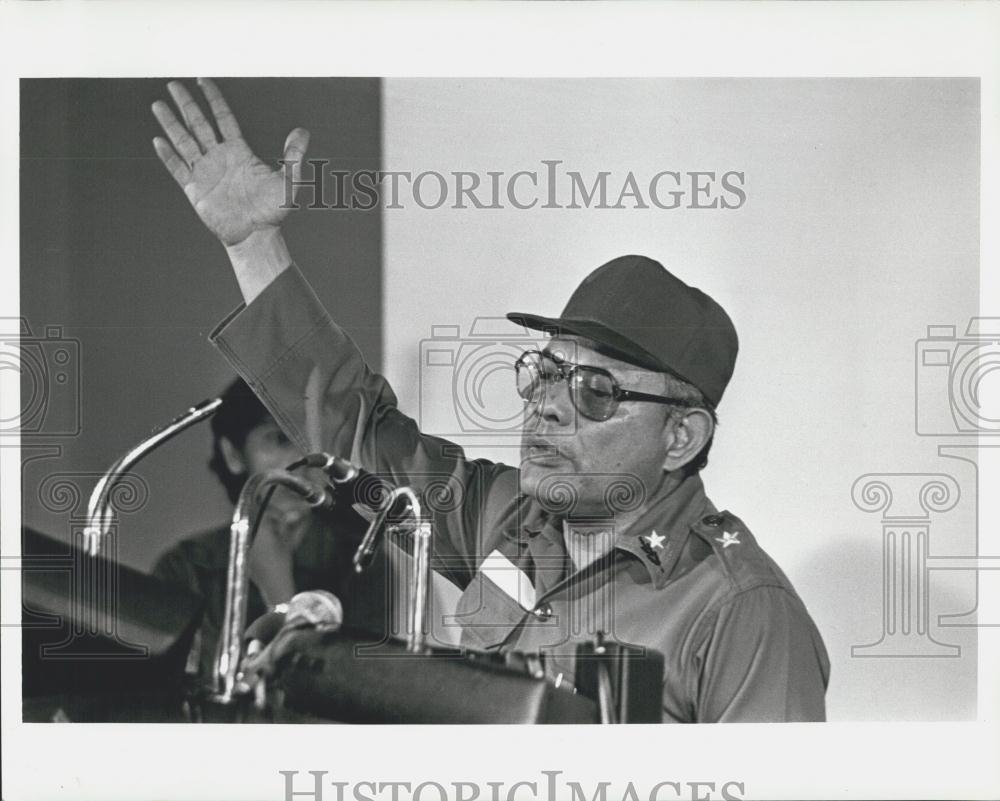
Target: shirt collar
x=655, y=539
x=587, y=543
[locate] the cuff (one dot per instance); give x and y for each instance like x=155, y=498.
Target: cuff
x=255, y=339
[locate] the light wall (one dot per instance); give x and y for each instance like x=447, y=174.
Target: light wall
x=860, y=228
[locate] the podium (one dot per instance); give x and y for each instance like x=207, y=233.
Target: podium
x=336, y=675
x=92, y=626
x=102, y=642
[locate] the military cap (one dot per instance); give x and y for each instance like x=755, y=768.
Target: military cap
x=638, y=311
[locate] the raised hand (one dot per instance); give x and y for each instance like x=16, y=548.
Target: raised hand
x=234, y=193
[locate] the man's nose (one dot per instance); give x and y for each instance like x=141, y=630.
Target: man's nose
x=556, y=406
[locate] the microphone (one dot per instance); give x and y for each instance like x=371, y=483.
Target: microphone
x=267, y=635
x=317, y=608
x=313, y=608
x=367, y=489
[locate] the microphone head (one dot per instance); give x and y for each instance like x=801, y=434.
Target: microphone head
x=340, y=470
x=315, y=608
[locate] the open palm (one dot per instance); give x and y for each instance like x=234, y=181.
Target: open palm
x=234, y=193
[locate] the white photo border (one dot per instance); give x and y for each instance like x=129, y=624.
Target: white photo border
x=179, y=39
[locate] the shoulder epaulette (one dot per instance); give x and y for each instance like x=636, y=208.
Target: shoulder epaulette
x=742, y=558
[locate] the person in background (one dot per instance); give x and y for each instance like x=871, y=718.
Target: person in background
x=296, y=548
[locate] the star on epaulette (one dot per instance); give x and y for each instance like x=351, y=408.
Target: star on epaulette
x=728, y=539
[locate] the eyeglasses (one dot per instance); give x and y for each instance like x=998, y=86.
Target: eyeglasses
x=595, y=393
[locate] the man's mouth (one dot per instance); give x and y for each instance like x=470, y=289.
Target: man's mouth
x=541, y=452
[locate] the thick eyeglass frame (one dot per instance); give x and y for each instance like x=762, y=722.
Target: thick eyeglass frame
x=569, y=371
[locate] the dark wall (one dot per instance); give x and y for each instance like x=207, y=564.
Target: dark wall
x=114, y=257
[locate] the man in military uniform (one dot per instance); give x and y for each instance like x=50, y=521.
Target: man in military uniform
x=606, y=525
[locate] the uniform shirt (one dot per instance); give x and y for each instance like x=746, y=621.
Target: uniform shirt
x=683, y=579
x=586, y=544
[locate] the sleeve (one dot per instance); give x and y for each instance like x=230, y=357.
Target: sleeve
x=313, y=379
x=762, y=660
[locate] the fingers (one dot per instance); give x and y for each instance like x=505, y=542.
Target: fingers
x=174, y=163
x=295, y=151
x=224, y=118
x=186, y=147
x=192, y=115
x=296, y=144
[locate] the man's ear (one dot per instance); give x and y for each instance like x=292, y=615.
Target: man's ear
x=685, y=437
x=232, y=456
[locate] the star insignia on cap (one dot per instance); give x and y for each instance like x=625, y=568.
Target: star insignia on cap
x=728, y=539
x=656, y=540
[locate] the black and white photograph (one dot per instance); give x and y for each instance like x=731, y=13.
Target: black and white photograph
x=362, y=415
